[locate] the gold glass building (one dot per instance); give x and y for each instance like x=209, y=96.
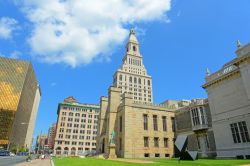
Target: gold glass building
x=19, y=100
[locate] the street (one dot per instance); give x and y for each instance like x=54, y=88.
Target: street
x=11, y=161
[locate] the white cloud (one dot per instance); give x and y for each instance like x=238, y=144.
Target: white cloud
x=2, y=55
x=7, y=26
x=76, y=32
x=15, y=54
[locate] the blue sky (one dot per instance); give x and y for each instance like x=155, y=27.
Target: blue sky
x=178, y=40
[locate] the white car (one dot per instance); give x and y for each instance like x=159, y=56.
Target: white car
x=12, y=154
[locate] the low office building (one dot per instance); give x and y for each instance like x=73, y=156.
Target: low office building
x=195, y=121
x=142, y=129
x=19, y=101
x=228, y=92
x=76, y=127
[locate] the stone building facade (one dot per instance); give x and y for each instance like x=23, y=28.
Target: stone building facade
x=19, y=100
x=42, y=146
x=51, y=136
x=76, y=127
x=142, y=128
x=228, y=92
x=195, y=121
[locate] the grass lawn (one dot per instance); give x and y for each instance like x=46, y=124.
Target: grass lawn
x=158, y=162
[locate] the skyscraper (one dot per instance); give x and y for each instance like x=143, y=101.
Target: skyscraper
x=132, y=76
x=19, y=101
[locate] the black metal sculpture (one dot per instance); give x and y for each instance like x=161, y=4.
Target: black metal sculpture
x=183, y=153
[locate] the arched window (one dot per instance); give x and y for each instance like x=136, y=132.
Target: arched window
x=77, y=114
x=58, y=151
x=135, y=80
x=148, y=82
x=66, y=151
x=73, y=151
x=134, y=48
x=139, y=80
x=71, y=114
x=120, y=77
x=130, y=79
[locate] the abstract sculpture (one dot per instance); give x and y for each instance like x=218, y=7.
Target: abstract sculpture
x=183, y=153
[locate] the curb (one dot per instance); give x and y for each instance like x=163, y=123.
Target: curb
x=52, y=162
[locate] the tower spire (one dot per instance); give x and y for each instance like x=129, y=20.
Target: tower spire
x=238, y=44
x=132, y=37
x=208, y=73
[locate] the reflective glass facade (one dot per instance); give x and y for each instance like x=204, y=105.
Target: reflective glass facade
x=13, y=74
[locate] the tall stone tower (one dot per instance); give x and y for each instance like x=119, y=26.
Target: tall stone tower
x=132, y=76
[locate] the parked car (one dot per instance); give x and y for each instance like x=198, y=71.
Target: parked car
x=4, y=153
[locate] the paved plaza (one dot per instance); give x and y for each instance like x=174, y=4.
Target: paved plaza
x=37, y=162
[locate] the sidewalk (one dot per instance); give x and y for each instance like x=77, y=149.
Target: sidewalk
x=36, y=162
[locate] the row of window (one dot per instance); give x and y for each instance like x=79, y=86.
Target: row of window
x=156, y=142
x=77, y=125
x=76, y=137
x=240, y=132
x=135, y=81
x=80, y=109
x=79, y=115
x=156, y=155
x=76, y=143
x=78, y=120
x=76, y=131
x=155, y=123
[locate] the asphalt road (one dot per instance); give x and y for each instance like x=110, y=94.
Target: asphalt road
x=11, y=161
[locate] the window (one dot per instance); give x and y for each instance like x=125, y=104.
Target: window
x=173, y=124
x=120, y=123
x=146, y=154
x=165, y=142
x=145, y=121
x=120, y=145
x=77, y=114
x=156, y=142
x=139, y=80
x=135, y=80
x=148, y=82
x=195, y=116
x=240, y=132
x=146, y=144
x=207, y=142
x=164, y=123
x=243, y=131
x=120, y=77
x=157, y=155
x=130, y=79
x=155, y=122
x=198, y=143
x=134, y=48
x=71, y=114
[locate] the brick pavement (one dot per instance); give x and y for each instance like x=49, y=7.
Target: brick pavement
x=36, y=162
